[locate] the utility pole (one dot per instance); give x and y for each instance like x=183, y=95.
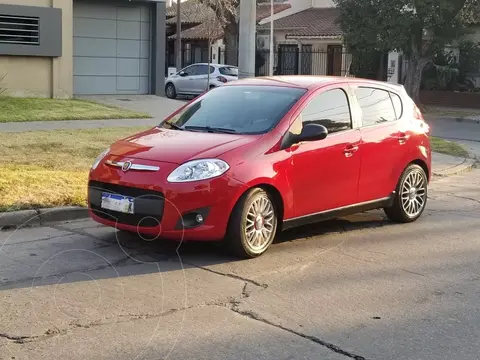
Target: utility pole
x=178, y=46
x=247, y=35
x=271, y=61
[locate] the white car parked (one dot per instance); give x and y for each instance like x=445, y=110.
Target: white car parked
x=193, y=80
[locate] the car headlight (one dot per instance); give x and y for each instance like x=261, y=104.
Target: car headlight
x=100, y=158
x=196, y=170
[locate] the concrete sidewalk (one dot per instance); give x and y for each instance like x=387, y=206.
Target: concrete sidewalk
x=446, y=165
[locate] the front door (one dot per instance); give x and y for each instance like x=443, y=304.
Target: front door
x=184, y=83
x=324, y=174
x=382, y=143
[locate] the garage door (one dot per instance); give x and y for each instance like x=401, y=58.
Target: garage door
x=111, y=48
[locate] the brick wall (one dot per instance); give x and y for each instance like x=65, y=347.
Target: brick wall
x=450, y=99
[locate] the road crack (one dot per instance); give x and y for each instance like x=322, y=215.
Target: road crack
x=463, y=197
x=232, y=276
x=330, y=346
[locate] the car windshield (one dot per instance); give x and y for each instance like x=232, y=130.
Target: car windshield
x=237, y=109
x=229, y=71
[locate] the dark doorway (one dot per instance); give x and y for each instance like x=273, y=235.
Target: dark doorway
x=334, y=60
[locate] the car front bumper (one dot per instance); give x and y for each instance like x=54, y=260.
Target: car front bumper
x=162, y=209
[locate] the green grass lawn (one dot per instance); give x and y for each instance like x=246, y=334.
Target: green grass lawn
x=50, y=168
x=447, y=147
x=33, y=109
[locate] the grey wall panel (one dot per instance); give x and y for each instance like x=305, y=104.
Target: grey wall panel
x=128, y=83
x=128, y=67
x=158, y=49
x=94, y=47
x=129, y=13
x=111, y=47
x=128, y=30
x=50, y=31
x=95, y=28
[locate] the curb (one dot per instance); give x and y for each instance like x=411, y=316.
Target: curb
x=466, y=165
x=29, y=218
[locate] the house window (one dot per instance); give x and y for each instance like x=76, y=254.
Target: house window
x=19, y=30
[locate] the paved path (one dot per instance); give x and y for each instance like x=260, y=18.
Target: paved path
x=358, y=287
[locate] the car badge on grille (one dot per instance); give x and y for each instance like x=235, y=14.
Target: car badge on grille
x=126, y=166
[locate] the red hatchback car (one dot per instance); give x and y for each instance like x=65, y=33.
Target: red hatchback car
x=253, y=157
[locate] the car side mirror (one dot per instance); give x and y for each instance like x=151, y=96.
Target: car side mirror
x=310, y=132
x=182, y=73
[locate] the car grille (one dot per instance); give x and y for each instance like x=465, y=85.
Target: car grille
x=148, y=204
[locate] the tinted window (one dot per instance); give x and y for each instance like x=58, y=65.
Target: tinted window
x=397, y=104
x=229, y=71
x=212, y=69
x=330, y=109
x=202, y=70
x=376, y=106
x=241, y=109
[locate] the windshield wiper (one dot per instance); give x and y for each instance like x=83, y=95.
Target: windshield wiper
x=212, y=129
x=176, y=127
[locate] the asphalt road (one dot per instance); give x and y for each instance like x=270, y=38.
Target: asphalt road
x=466, y=133
x=359, y=287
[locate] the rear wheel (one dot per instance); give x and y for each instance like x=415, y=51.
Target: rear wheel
x=170, y=91
x=410, y=196
x=253, y=224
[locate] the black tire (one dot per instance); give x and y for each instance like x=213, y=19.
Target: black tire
x=399, y=212
x=236, y=239
x=170, y=91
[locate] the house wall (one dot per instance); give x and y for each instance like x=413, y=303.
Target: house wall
x=323, y=3
x=41, y=76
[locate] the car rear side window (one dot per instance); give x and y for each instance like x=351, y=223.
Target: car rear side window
x=330, y=109
x=397, y=104
x=376, y=105
x=229, y=71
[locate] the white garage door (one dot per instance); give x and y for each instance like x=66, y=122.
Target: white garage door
x=111, y=48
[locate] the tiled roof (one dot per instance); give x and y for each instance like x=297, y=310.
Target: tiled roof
x=314, y=22
x=263, y=10
x=200, y=32
x=194, y=12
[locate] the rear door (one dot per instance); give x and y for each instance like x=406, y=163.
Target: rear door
x=200, y=80
x=383, y=141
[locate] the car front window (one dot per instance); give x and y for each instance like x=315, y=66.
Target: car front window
x=237, y=109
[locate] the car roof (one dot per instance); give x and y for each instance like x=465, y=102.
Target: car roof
x=211, y=64
x=309, y=81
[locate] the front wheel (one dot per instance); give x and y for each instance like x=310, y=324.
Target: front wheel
x=253, y=224
x=410, y=196
x=170, y=91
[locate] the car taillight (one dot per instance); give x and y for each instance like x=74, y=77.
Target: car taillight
x=222, y=79
x=417, y=114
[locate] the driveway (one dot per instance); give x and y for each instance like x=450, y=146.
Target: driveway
x=466, y=133
x=158, y=107
x=355, y=288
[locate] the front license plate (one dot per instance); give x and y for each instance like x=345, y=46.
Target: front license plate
x=118, y=203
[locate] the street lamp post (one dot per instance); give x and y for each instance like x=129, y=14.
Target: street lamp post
x=271, y=40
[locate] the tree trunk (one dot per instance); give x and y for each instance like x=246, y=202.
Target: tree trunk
x=231, y=44
x=414, y=77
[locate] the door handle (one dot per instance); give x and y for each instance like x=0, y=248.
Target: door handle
x=350, y=150
x=402, y=138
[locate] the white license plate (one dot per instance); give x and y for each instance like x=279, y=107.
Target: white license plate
x=118, y=203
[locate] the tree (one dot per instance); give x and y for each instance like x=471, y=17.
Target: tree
x=226, y=12
x=417, y=28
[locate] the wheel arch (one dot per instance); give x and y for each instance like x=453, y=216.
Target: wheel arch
x=423, y=165
x=273, y=192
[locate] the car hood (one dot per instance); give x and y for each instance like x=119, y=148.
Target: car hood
x=176, y=146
